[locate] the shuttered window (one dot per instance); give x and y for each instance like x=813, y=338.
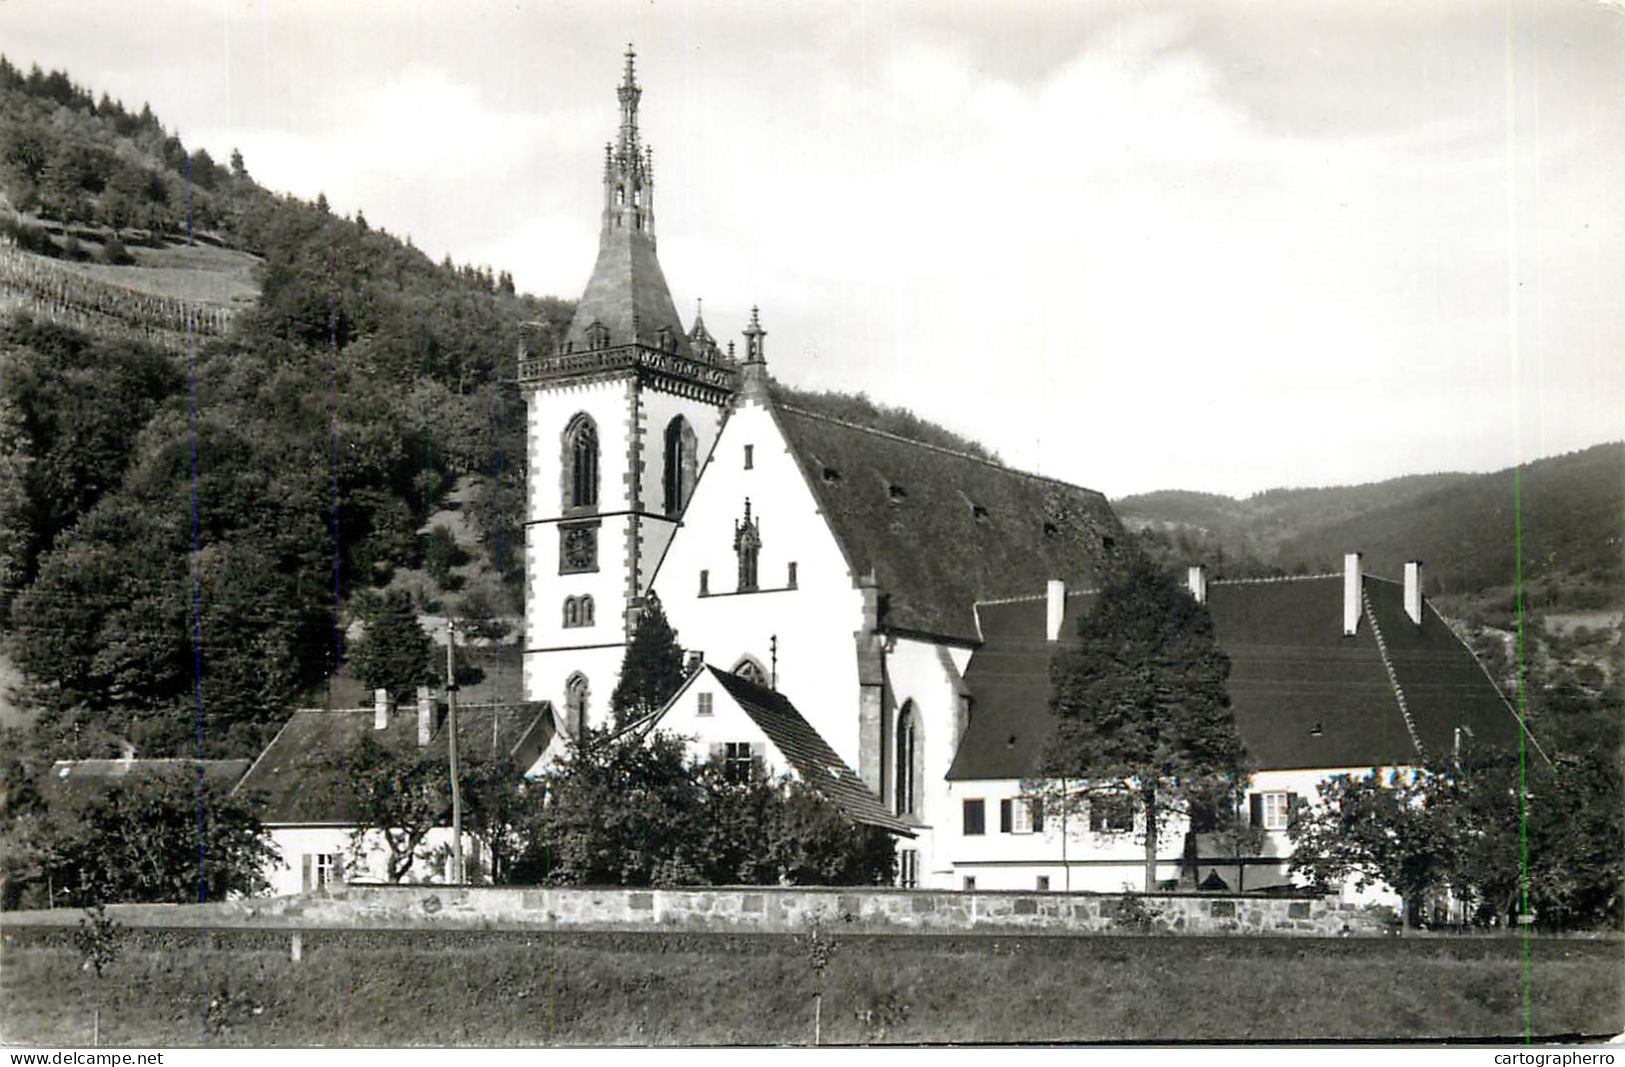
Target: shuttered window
x=1271, y=811
x=975, y=817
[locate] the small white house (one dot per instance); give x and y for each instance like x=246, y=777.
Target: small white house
x=753, y=729
x=307, y=801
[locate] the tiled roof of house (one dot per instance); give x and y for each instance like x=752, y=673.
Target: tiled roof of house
x=1304, y=696
x=300, y=776
x=1008, y=677
x=814, y=762
x=73, y=781
x=942, y=530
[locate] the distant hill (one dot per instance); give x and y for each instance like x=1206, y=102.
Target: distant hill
x=1565, y=514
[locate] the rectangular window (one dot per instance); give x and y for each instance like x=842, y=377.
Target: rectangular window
x=1111, y=814
x=908, y=868
x=1043, y=883
x=1272, y=811
x=705, y=583
x=970, y=883
x=705, y=704
x=792, y=580
x=975, y=817
x=736, y=761
x=329, y=870
x=1021, y=815
x=750, y=456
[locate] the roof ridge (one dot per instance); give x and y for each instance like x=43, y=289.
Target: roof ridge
x=888, y=435
x=153, y=759
x=1393, y=676
x=1277, y=578
x=1027, y=598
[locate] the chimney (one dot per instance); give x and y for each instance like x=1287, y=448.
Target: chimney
x=1055, y=604
x=694, y=659
x=1413, y=590
x=1351, y=594
x=380, y=709
x=1196, y=581
x=425, y=716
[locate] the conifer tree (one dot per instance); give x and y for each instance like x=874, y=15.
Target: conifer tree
x=653, y=668
x=1140, y=705
x=394, y=654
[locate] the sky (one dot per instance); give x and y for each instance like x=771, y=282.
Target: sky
x=1222, y=245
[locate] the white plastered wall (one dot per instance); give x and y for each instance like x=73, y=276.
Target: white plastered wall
x=554, y=652
x=931, y=675
x=727, y=722
x=1106, y=861
x=296, y=842
x=814, y=622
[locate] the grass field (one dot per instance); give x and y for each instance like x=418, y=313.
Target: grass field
x=187, y=988
x=201, y=273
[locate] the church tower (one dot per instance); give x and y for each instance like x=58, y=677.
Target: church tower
x=621, y=409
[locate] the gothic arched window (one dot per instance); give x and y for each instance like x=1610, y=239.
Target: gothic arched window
x=581, y=463
x=586, y=611
x=680, y=469
x=572, y=616
x=575, y=705
x=906, y=779
x=748, y=669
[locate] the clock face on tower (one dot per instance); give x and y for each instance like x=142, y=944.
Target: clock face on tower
x=578, y=547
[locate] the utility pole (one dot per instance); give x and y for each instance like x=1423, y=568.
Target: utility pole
x=451, y=749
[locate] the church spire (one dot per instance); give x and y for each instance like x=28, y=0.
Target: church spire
x=627, y=301
x=629, y=165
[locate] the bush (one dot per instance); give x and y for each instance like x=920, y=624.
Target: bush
x=635, y=812
x=441, y=554
x=115, y=254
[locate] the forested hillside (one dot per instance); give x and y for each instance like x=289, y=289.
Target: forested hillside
x=1558, y=519
x=286, y=463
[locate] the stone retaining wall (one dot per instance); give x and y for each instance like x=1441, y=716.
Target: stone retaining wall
x=767, y=910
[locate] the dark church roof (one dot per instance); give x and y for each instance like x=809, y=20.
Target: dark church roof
x=941, y=529
x=627, y=294
x=814, y=762
x=300, y=777
x=1304, y=696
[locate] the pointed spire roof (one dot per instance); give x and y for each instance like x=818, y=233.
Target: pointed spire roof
x=627, y=300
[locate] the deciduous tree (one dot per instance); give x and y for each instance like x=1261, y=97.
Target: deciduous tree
x=397, y=797
x=1140, y=705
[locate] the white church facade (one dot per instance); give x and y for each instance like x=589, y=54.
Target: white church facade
x=902, y=600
